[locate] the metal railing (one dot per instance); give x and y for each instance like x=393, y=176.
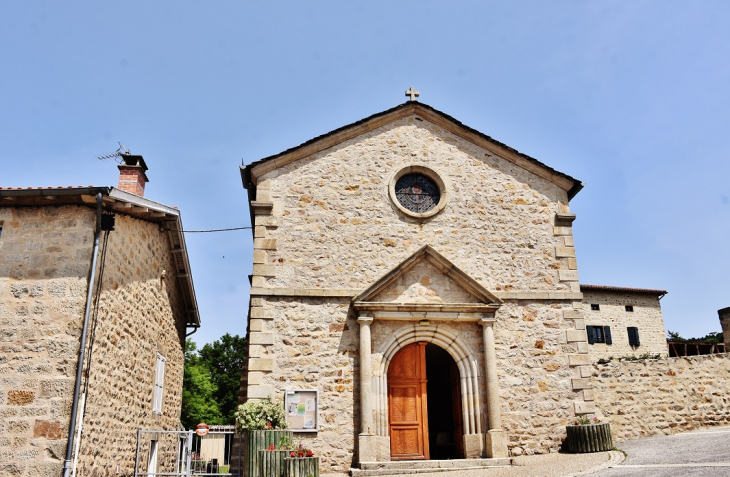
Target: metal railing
x=185, y=454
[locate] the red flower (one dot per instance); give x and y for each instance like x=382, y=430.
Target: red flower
x=293, y=454
x=269, y=426
x=310, y=453
x=271, y=447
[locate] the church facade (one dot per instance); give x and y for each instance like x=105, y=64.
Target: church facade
x=420, y=276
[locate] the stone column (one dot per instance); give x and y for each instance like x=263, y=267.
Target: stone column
x=367, y=439
x=496, y=437
x=725, y=323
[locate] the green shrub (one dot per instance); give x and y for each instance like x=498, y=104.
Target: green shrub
x=260, y=414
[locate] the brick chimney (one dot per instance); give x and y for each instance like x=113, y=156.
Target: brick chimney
x=725, y=323
x=132, y=177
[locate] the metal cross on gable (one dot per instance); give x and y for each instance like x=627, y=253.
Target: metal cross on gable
x=413, y=94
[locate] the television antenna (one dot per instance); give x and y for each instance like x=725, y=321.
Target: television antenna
x=116, y=155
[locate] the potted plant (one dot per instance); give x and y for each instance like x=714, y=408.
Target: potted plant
x=262, y=423
x=588, y=435
x=302, y=463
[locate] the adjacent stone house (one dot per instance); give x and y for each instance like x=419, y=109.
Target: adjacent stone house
x=623, y=322
x=62, y=260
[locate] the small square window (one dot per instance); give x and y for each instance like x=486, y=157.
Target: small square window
x=630, y=308
x=595, y=307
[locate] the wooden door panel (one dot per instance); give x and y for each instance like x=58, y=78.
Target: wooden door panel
x=407, y=414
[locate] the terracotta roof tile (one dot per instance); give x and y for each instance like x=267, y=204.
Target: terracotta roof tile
x=622, y=289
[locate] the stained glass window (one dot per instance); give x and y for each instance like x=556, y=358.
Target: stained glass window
x=417, y=193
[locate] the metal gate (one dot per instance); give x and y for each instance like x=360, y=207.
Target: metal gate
x=184, y=453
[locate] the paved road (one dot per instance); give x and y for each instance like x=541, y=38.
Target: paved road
x=705, y=452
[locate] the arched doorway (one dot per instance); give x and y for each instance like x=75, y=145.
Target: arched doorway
x=424, y=403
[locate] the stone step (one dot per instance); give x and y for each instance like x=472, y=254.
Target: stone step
x=425, y=466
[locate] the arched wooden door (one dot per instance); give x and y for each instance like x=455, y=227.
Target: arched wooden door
x=407, y=405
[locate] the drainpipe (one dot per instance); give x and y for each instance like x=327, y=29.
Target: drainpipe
x=82, y=349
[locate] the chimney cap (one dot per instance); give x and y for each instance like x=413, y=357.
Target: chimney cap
x=132, y=160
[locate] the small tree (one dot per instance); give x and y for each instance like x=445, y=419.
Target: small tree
x=198, y=399
x=258, y=414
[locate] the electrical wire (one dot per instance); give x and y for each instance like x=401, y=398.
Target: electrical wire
x=214, y=230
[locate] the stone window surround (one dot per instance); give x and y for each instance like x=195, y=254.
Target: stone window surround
x=431, y=174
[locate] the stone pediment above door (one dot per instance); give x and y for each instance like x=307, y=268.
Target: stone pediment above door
x=427, y=285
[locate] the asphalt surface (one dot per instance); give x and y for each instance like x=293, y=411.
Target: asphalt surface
x=705, y=452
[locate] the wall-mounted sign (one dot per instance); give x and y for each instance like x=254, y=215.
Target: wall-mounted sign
x=202, y=429
x=302, y=408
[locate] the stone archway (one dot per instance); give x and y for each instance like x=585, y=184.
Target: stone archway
x=467, y=363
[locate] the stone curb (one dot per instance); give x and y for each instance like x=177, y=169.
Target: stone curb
x=614, y=458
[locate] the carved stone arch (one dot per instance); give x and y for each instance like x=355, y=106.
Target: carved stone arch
x=466, y=361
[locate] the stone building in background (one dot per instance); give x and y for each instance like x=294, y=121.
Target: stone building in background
x=420, y=276
x=623, y=322
x=139, y=304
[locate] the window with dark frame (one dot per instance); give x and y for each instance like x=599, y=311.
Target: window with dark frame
x=599, y=334
x=633, y=336
x=630, y=308
x=595, y=307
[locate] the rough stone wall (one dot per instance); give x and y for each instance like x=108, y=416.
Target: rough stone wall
x=332, y=231
x=314, y=345
x=647, y=317
x=664, y=396
x=536, y=370
x=339, y=228
x=140, y=314
x=45, y=255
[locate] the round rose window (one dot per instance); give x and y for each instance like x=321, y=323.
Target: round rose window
x=417, y=193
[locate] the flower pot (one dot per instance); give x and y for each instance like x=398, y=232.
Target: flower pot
x=589, y=438
x=271, y=463
x=253, y=442
x=302, y=467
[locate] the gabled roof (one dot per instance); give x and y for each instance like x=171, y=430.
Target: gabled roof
x=123, y=202
x=485, y=300
x=251, y=172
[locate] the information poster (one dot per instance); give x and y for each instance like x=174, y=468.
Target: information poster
x=301, y=408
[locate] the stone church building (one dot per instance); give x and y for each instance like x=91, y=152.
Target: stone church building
x=422, y=277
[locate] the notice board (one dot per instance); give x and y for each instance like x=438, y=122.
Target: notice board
x=302, y=408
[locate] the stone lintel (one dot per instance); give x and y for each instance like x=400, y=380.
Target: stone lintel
x=261, y=364
x=263, y=313
x=558, y=230
x=264, y=243
x=264, y=270
x=568, y=275
x=582, y=407
x=504, y=296
x=266, y=221
x=259, y=392
x=261, y=338
x=581, y=383
x=579, y=360
x=260, y=256
x=565, y=252
x=261, y=207
x=572, y=314
x=575, y=335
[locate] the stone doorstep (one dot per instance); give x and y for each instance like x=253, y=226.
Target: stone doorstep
x=426, y=466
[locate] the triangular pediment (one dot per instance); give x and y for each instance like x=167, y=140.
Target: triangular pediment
x=252, y=172
x=426, y=280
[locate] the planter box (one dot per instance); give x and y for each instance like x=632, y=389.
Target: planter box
x=271, y=463
x=302, y=467
x=589, y=438
x=253, y=442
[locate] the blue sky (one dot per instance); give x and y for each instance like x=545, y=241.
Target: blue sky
x=630, y=97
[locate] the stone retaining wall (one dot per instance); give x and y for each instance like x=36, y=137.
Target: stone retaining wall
x=664, y=396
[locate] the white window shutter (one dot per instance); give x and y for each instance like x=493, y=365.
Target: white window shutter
x=159, y=384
